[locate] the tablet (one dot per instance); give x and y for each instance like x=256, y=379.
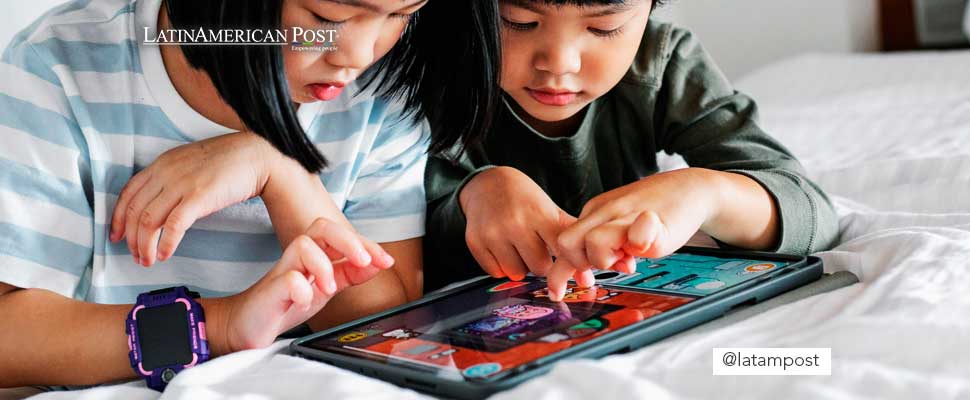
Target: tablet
x=490, y=334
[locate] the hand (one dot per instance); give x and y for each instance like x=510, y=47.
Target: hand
x=512, y=224
x=299, y=286
x=187, y=183
x=650, y=218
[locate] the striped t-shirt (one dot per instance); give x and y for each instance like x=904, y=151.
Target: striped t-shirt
x=84, y=106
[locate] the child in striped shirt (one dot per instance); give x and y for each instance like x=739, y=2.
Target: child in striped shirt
x=86, y=104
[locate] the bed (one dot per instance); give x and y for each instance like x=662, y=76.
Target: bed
x=887, y=136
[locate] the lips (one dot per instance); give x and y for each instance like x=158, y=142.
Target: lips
x=326, y=91
x=553, y=97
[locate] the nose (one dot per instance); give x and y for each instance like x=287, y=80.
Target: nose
x=355, y=46
x=560, y=58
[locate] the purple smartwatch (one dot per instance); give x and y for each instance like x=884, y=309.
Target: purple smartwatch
x=166, y=334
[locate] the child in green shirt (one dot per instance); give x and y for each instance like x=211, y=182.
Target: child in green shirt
x=593, y=90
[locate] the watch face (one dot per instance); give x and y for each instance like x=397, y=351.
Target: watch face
x=163, y=335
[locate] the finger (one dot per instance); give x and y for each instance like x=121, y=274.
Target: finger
x=626, y=265
x=584, y=279
x=132, y=214
x=380, y=257
x=603, y=245
x=572, y=238
x=642, y=233
x=484, y=258
x=317, y=264
x=535, y=254
x=151, y=221
x=331, y=235
x=347, y=275
x=558, y=278
x=131, y=188
x=182, y=217
x=510, y=261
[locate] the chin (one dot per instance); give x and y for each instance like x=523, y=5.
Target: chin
x=547, y=113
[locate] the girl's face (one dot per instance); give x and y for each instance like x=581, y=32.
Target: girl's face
x=365, y=31
x=558, y=59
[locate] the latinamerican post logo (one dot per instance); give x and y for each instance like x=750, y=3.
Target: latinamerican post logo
x=299, y=38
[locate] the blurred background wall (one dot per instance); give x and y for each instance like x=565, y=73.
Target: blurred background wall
x=744, y=34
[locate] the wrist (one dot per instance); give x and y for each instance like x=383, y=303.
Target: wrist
x=217, y=311
x=712, y=187
x=284, y=175
x=471, y=190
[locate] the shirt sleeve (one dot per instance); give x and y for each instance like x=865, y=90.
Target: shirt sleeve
x=387, y=201
x=711, y=125
x=46, y=218
x=450, y=259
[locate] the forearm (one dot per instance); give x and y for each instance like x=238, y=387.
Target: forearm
x=295, y=198
x=48, y=339
x=745, y=215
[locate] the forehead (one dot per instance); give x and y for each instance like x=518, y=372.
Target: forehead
x=590, y=7
x=570, y=3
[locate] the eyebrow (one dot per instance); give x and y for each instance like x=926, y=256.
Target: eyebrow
x=540, y=7
x=370, y=6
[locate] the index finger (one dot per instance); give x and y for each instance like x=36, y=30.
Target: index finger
x=329, y=234
x=558, y=278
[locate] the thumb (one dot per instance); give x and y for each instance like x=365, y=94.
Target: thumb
x=269, y=308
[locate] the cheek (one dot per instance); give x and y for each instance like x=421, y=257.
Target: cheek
x=386, y=41
x=605, y=66
x=297, y=64
x=515, y=66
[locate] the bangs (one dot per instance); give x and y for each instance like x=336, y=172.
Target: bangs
x=581, y=3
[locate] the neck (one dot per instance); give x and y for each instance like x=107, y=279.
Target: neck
x=194, y=85
x=562, y=128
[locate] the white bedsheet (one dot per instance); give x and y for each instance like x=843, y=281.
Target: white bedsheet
x=887, y=136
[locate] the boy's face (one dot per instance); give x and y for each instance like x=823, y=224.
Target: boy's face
x=558, y=59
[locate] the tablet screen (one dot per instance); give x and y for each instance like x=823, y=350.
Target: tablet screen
x=691, y=274
x=492, y=328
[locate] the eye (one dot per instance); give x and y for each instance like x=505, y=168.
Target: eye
x=606, y=33
x=519, y=26
x=326, y=22
x=403, y=17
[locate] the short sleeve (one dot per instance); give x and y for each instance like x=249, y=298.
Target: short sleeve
x=387, y=201
x=46, y=218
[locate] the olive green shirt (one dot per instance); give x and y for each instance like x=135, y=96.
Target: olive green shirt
x=672, y=99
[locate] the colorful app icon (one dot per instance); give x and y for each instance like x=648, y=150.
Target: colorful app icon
x=482, y=370
x=576, y=294
x=756, y=268
x=523, y=311
x=352, y=337
x=401, y=334
x=586, y=328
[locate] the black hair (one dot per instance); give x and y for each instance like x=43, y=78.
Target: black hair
x=445, y=68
